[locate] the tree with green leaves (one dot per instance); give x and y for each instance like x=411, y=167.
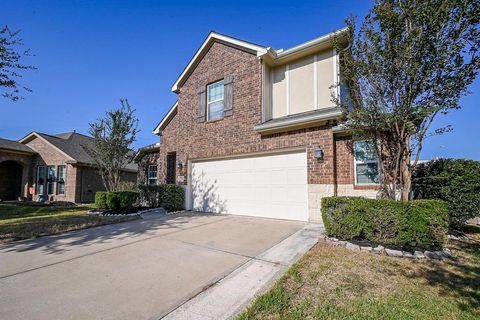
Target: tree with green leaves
x=11, y=65
x=113, y=136
x=409, y=61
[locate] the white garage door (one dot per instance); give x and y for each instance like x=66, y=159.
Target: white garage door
x=272, y=186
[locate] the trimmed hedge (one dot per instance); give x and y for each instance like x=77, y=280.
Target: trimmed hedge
x=455, y=181
x=101, y=200
x=417, y=223
x=150, y=194
x=127, y=199
x=170, y=197
x=115, y=201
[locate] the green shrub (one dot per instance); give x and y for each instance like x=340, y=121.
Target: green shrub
x=150, y=194
x=101, y=199
x=172, y=197
x=113, y=201
x=455, y=181
x=127, y=199
x=414, y=223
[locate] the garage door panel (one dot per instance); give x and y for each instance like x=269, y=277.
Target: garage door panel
x=271, y=186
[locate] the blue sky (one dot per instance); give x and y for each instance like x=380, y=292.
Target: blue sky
x=90, y=54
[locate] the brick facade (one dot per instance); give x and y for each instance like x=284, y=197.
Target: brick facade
x=235, y=135
x=49, y=156
x=11, y=161
x=81, y=181
x=147, y=159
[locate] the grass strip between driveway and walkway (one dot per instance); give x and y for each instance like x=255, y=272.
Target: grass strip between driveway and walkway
x=335, y=283
x=23, y=222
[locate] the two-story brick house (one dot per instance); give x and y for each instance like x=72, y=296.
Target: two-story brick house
x=254, y=131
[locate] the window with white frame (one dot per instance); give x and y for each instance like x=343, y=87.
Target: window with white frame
x=40, y=180
x=152, y=174
x=62, y=176
x=50, y=179
x=366, y=163
x=215, y=101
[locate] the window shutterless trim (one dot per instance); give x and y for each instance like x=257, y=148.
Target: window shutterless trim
x=37, y=178
x=355, y=162
x=149, y=171
x=53, y=182
x=64, y=179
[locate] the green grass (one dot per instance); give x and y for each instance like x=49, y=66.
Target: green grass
x=334, y=283
x=23, y=222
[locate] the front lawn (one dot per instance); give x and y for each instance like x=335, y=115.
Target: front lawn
x=335, y=283
x=23, y=222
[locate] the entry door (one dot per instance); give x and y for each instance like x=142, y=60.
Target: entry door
x=171, y=162
x=273, y=186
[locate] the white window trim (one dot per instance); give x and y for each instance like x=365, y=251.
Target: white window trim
x=54, y=191
x=36, y=180
x=214, y=101
x=64, y=181
x=355, y=162
x=148, y=174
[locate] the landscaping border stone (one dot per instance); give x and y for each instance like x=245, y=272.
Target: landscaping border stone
x=395, y=252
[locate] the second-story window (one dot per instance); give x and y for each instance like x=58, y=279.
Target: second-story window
x=215, y=105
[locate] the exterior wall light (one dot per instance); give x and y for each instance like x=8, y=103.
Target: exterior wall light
x=179, y=164
x=318, y=153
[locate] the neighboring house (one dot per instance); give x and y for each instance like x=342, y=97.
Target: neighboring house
x=254, y=131
x=147, y=160
x=56, y=166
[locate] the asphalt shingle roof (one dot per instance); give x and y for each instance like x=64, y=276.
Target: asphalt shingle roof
x=15, y=146
x=73, y=143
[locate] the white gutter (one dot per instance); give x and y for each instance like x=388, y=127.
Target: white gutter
x=165, y=119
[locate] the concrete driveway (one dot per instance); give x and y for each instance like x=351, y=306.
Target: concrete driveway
x=135, y=270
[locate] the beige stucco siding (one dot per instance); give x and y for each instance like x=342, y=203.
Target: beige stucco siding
x=267, y=98
x=279, y=96
x=301, y=86
x=325, y=78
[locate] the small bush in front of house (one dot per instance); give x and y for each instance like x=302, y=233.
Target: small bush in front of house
x=113, y=201
x=101, y=199
x=172, y=197
x=455, y=181
x=417, y=223
x=150, y=194
x=127, y=199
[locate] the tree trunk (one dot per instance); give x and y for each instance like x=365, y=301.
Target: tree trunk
x=406, y=179
x=407, y=185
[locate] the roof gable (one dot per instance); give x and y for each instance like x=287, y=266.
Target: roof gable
x=71, y=145
x=207, y=43
x=166, y=119
x=270, y=55
x=16, y=146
